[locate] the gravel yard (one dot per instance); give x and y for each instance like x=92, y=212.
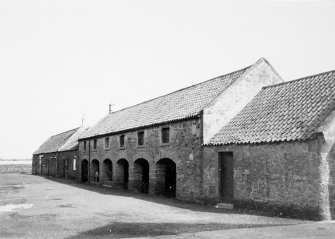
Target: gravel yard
x=37, y=207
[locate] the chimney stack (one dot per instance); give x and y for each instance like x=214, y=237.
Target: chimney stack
x=82, y=120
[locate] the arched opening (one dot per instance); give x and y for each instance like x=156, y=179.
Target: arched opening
x=107, y=170
x=122, y=173
x=84, y=171
x=166, y=175
x=95, y=174
x=141, y=175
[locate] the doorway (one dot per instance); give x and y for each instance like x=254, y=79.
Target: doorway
x=226, y=176
x=122, y=173
x=84, y=171
x=165, y=176
x=66, y=168
x=141, y=175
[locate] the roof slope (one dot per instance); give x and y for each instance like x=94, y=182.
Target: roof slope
x=288, y=111
x=181, y=104
x=55, y=142
x=72, y=142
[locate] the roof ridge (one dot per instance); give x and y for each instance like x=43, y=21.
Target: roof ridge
x=246, y=71
x=302, y=78
x=245, y=68
x=64, y=132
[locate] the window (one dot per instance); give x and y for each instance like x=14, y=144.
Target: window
x=122, y=141
x=107, y=143
x=95, y=144
x=140, y=138
x=165, y=135
x=74, y=164
x=84, y=145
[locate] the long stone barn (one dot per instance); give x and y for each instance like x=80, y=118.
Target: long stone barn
x=247, y=139
x=155, y=147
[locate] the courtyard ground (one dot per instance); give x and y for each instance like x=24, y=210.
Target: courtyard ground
x=38, y=207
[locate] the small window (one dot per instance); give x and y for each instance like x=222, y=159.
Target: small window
x=140, y=138
x=122, y=141
x=165, y=135
x=107, y=143
x=95, y=144
x=74, y=164
x=84, y=145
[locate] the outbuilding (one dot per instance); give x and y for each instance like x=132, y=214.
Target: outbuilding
x=278, y=153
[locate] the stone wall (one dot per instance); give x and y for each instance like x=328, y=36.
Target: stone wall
x=53, y=164
x=48, y=164
x=35, y=165
x=331, y=180
x=285, y=178
x=184, y=150
x=328, y=170
x=67, y=171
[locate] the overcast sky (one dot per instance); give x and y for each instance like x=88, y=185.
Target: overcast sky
x=62, y=59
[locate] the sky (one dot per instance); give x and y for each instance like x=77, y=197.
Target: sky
x=63, y=60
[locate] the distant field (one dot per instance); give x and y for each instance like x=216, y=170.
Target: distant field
x=15, y=166
x=14, y=160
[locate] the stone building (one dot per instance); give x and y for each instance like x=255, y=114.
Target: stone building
x=278, y=153
x=156, y=146
x=58, y=155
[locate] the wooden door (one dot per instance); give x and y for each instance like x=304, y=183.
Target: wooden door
x=226, y=176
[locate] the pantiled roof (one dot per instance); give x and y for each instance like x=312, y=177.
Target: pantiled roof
x=55, y=142
x=181, y=104
x=288, y=111
x=72, y=142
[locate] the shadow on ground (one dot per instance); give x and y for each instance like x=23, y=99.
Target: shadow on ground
x=129, y=230
x=158, y=199
x=146, y=197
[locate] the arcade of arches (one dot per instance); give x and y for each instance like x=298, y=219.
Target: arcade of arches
x=138, y=179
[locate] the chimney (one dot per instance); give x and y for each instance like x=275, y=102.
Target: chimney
x=110, y=108
x=82, y=120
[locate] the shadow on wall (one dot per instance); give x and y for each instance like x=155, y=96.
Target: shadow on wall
x=129, y=230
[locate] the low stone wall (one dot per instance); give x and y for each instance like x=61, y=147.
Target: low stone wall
x=281, y=177
x=15, y=168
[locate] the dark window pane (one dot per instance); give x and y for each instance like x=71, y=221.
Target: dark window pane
x=107, y=142
x=95, y=144
x=140, y=138
x=122, y=141
x=84, y=145
x=165, y=135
